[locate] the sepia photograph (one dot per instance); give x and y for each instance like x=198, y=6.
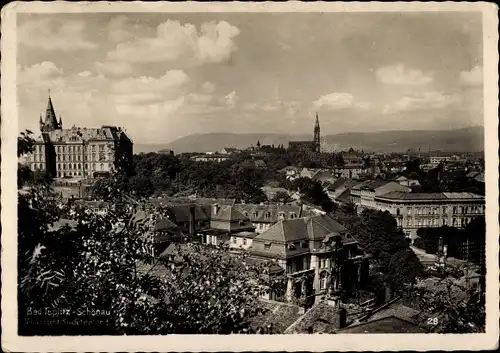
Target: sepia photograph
x=238, y=169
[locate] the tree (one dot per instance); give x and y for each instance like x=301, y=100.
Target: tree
x=377, y=234
x=282, y=197
x=451, y=307
x=105, y=264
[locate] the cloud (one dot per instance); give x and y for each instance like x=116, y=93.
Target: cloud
x=338, y=101
x=172, y=79
x=181, y=44
x=52, y=35
x=424, y=101
x=230, y=99
x=151, y=111
x=45, y=75
x=113, y=68
x=474, y=77
x=399, y=75
x=85, y=73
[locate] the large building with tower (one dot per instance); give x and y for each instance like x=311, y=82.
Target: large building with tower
x=313, y=146
x=78, y=152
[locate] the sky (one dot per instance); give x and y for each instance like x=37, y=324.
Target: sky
x=161, y=76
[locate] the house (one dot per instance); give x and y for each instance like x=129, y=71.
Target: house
x=422, y=210
x=350, y=170
x=162, y=230
x=363, y=195
x=291, y=173
x=264, y=216
x=337, y=188
x=324, y=176
x=225, y=222
x=210, y=158
x=404, y=181
x=242, y=240
x=391, y=317
x=166, y=151
x=308, y=250
x=229, y=150
x=307, y=173
x=77, y=152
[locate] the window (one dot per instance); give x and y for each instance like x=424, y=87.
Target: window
x=93, y=148
x=233, y=239
x=322, y=280
x=267, y=215
x=244, y=241
x=79, y=166
x=267, y=246
x=255, y=215
x=292, y=215
x=305, y=245
x=58, y=148
x=245, y=213
x=291, y=247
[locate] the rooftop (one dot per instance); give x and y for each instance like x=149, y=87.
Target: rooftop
x=398, y=195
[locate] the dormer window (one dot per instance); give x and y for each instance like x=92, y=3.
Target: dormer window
x=255, y=215
x=267, y=246
x=293, y=215
x=267, y=215
x=305, y=245
x=245, y=213
x=291, y=247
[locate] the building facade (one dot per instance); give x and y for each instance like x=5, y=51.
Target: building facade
x=316, y=254
x=363, y=194
x=423, y=210
x=78, y=152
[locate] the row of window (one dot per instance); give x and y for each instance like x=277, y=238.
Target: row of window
x=244, y=240
x=433, y=222
x=267, y=215
x=64, y=149
x=61, y=166
x=63, y=174
x=442, y=210
x=70, y=158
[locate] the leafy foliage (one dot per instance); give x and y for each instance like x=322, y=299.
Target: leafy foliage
x=103, y=267
x=377, y=233
x=453, y=307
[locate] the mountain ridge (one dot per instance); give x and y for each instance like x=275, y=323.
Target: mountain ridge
x=467, y=139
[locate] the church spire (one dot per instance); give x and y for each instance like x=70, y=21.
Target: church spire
x=50, y=122
x=317, y=141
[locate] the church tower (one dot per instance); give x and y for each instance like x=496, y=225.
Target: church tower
x=50, y=123
x=317, y=143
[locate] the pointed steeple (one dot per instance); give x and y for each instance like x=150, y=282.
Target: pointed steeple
x=50, y=116
x=317, y=139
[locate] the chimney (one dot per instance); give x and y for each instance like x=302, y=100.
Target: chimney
x=216, y=208
x=192, y=220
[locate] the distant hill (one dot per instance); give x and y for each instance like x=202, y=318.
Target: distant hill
x=470, y=139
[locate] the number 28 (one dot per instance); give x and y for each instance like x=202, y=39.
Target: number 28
x=432, y=321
